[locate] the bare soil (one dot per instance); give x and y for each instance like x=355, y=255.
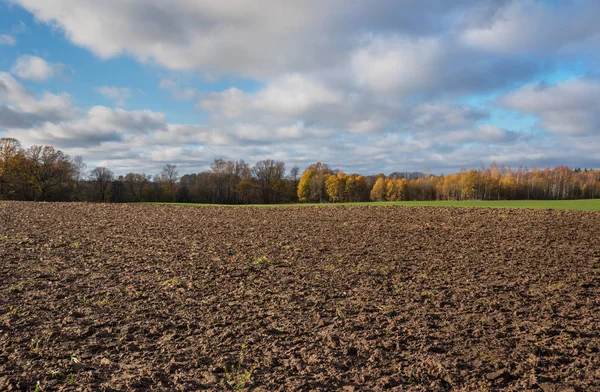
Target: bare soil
x=132, y=297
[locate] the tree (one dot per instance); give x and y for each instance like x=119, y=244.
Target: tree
x=49, y=171
x=10, y=150
x=268, y=175
x=167, y=180
x=102, y=178
x=79, y=167
x=333, y=188
x=170, y=173
x=312, y=183
x=134, y=185
x=304, y=186
x=294, y=172
x=378, y=193
x=356, y=188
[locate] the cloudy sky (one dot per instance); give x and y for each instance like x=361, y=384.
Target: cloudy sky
x=366, y=86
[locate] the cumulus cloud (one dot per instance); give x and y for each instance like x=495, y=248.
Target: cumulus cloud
x=119, y=95
x=364, y=85
x=242, y=39
x=34, y=108
x=100, y=124
x=291, y=95
x=35, y=68
x=569, y=107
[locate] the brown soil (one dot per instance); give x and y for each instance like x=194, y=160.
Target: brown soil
x=132, y=297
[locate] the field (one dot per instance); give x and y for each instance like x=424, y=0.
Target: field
x=154, y=297
x=580, y=205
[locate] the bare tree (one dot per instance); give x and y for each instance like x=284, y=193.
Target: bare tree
x=269, y=175
x=169, y=172
x=102, y=177
x=135, y=183
x=79, y=167
x=167, y=180
x=294, y=173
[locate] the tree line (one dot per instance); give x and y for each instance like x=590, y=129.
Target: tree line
x=43, y=173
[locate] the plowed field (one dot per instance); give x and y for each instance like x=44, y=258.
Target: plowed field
x=132, y=297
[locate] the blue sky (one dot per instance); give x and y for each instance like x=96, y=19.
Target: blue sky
x=371, y=86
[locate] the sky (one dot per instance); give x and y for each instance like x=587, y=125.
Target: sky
x=366, y=86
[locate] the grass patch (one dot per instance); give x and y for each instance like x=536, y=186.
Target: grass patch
x=580, y=205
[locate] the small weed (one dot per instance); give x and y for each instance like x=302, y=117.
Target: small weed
x=84, y=300
x=383, y=271
x=34, y=344
x=339, y=312
x=71, y=378
x=429, y=293
x=106, y=302
x=14, y=310
x=236, y=377
x=38, y=387
x=16, y=288
x=398, y=288
x=76, y=245
x=263, y=260
x=54, y=374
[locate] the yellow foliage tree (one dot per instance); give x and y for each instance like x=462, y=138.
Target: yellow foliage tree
x=378, y=193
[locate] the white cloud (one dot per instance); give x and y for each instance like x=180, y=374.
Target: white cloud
x=295, y=94
x=397, y=64
x=100, y=124
x=362, y=85
x=120, y=95
x=177, y=92
x=34, y=108
x=237, y=37
x=569, y=107
x=35, y=68
x=291, y=95
x=6, y=39
x=531, y=26
x=230, y=103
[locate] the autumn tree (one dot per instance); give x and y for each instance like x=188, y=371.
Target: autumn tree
x=378, y=193
x=335, y=186
x=49, y=171
x=356, y=188
x=311, y=187
x=10, y=154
